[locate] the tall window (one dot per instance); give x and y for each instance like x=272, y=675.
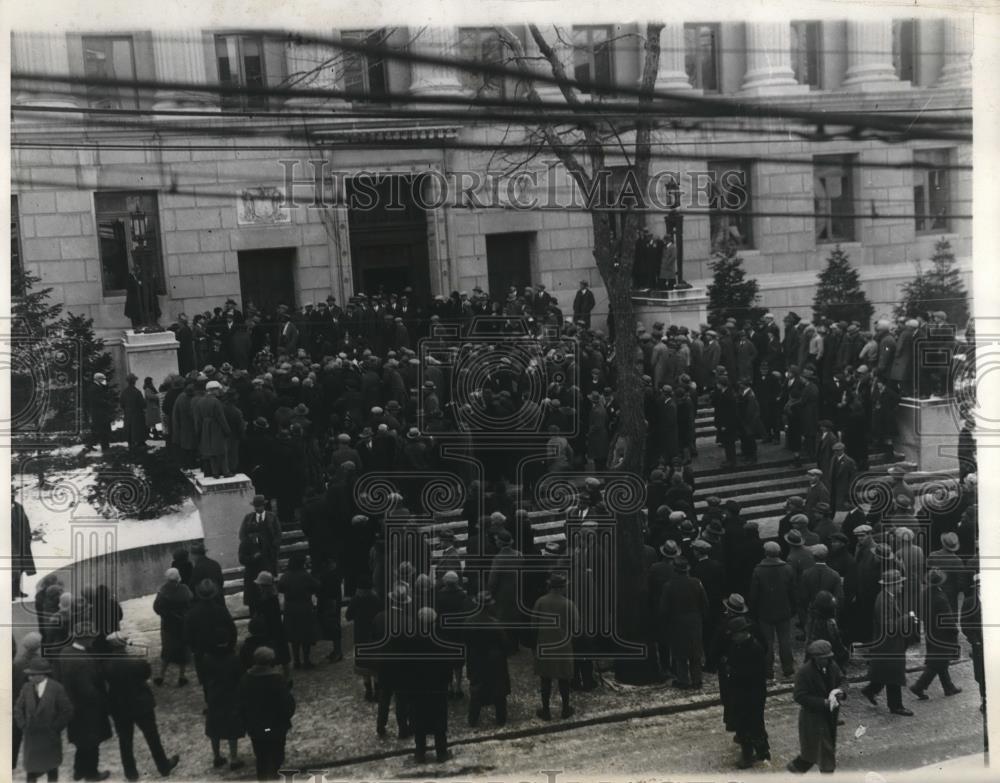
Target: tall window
x=483, y=45
x=107, y=57
x=364, y=75
x=16, y=263
x=701, y=55
x=805, y=53
x=833, y=197
x=729, y=204
x=931, y=190
x=904, y=49
x=241, y=63
x=592, y=54
x=128, y=234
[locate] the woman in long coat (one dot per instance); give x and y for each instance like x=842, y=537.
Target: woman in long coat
x=299, y=587
x=172, y=604
x=816, y=682
x=222, y=670
x=42, y=720
x=554, y=643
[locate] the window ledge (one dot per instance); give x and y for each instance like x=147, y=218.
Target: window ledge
x=853, y=243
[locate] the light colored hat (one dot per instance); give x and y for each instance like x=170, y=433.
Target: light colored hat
x=264, y=578
x=212, y=385
x=172, y=575
x=450, y=578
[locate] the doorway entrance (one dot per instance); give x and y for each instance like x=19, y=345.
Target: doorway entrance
x=388, y=236
x=267, y=278
x=508, y=262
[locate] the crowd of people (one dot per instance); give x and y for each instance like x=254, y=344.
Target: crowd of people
x=308, y=402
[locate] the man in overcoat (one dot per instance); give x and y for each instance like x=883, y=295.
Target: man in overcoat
x=132, y=704
x=887, y=653
x=818, y=692
x=554, y=643
x=486, y=654
x=41, y=711
x=772, y=604
x=267, y=706
x=940, y=636
x=683, y=611
x=79, y=672
x=745, y=674
x=212, y=430
x=260, y=543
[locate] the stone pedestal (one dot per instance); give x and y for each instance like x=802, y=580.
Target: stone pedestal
x=928, y=432
x=222, y=504
x=685, y=307
x=152, y=355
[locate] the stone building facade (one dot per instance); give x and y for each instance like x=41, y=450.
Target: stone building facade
x=197, y=187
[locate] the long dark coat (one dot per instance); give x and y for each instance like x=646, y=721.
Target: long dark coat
x=42, y=722
x=746, y=686
x=817, y=724
x=940, y=630
x=258, y=551
x=300, y=616
x=890, y=631
x=22, y=560
x=554, y=640
x=486, y=654
x=182, y=431
x=266, y=702
x=80, y=674
x=172, y=604
x=683, y=609
x=211, y=427
x=129, y=694
x=221, y=671
x=133, y=406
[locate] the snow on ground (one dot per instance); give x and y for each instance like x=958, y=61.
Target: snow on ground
x=58, y=505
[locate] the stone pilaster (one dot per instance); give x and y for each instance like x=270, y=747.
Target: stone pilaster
x=670, y=76
x=41, y=53
x=314, y=66
x=957, y=69
x=435, y=80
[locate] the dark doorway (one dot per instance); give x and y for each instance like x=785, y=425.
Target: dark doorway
x=388, y=236
x=508, y=262
x=267, y=278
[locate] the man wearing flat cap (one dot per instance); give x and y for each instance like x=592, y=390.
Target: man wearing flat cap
x=817, y=492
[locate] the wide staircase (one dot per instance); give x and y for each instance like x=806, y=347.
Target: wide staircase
x=761, y=490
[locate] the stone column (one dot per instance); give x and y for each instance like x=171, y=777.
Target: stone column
x=41, y=53
x=314, y=66
x=957, y=69
x=561, y=41
x=426, y=79
x=769, y=60
x=180, y=57
x=671, y=74
x=869, y=57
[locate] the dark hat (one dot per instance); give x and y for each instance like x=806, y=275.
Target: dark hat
x=702, y=545
x=838, y=537
x=950, y=541
x=556, y=580
x=795, y=501
x=714, y=500
x=39, y=666
x=839, y=446
x=670, y=549
x=821, y=648
x=446, y=534
x=714, y=530
x=687, y=526
x=936, y=576
x=826, y=423
x=681, y=565
x=793, y=538
x=903, y=501
x=504, y=536
x=206, y=589
x=892, y=577
x=738, y=625
x=260, y=423
x=823, y=508
x=198, y=548
x=735, y=603
x=259, y=500
x=884, y=552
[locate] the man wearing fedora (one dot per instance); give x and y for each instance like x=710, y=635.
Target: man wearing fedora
x=940, y=636
x=683, y=611
x=486, y=654
x=203, y=621
x=41, y=711
x=947, y=560
x=659, y=574
x=132, y=705
x=892, y=633
x=555, y=618
x=205, y=567
x=260, y=543
x=745, y=677
x=819, y=691
x=80, y=674
x=211, y=430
